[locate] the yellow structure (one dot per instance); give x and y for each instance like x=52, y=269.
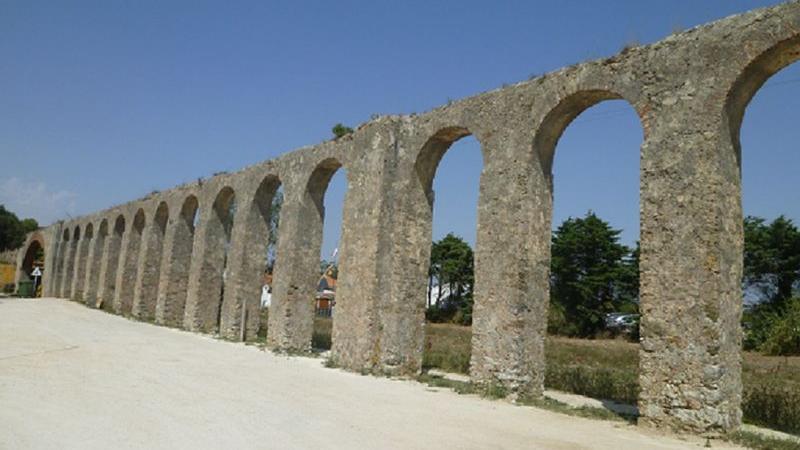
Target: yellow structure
x=7, y=272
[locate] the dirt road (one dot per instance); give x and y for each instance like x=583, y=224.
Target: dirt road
x=72, y=377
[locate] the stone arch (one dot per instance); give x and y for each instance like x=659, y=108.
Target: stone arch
x=247, y=262
x=549, y=130
x=127, y=271
x=110, y=264
x=319, y=180
x=558, y=119
x=145, y=292
x=291, y=319
x=33, y=256
x=431, y=154
x=777, y=51
x=403, y=330
x=208, y=273
x=93, y=263
x=178, y=247
x=750, y=80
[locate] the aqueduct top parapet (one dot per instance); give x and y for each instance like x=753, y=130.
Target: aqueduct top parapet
x=689, y=91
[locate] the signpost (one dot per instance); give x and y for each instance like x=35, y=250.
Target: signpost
x=37, y=272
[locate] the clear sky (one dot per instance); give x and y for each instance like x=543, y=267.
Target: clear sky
x=105, y=101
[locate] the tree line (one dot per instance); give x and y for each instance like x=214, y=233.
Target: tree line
x=592, y=275
x=13, y=229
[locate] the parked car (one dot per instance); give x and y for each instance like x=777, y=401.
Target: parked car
x=622, y=322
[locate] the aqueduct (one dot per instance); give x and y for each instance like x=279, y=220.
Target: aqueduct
x=153, y=259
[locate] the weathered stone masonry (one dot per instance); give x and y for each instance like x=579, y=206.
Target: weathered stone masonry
x=690, y=91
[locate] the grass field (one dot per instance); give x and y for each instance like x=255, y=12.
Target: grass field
x=608, y=369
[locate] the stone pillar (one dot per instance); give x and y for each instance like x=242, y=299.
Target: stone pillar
x=691, y=270
x=512, y=268
x=79, y=274
x=50, y=260
x=246, y=262
x=365, y=236
x=145, y=292
x=107, y=277
x=128, y=267
x=19, y=262
x=203, y=298
x=69, y=267
x=93, y=266
x=176, y=261
x=404, y=250
x=58, y=268
x=291, y=312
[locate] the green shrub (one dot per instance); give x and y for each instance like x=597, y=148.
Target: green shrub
x=783, y=336
x=757, y=321
x=340, y=130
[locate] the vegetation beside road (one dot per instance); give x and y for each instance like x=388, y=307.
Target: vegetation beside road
x=608, y=369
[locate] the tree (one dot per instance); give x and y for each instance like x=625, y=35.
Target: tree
x=452, y=272
x=340, y=130
x=13, y=230
x=771, y=274
x=331, y=268
x=28, y=225
x=771, y=258
x=592, y=274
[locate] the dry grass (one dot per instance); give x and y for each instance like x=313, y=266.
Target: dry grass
x=609, y=369
x=321, y=339
x=447, y=347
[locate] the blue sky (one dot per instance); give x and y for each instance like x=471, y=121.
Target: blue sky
x=105, y=101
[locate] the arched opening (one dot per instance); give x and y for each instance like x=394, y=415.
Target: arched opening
x=175, y=278
x=33, y=259
x=109, y=266
x=146, y=287
x=592, y=347
x=327, y=188
x=69, y=266
x=94, y=264
x=448, y=171
x=208, y=284
x=129, y=265
x=272, y=254
x=761, y=113
x=246, y=304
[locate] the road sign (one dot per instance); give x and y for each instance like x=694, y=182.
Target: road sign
x=37, y=272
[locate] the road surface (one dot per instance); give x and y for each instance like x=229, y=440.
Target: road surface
x=76, y=378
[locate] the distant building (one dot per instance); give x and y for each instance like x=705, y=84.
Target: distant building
x=326, y=295
x=325, y=298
